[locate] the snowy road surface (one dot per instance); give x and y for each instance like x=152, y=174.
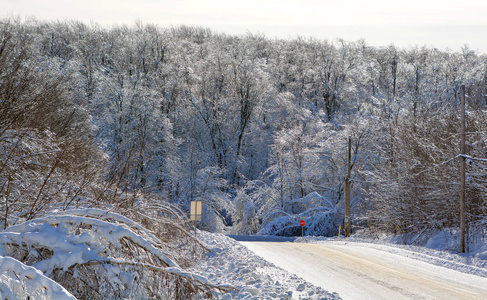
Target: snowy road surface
x=356, y=271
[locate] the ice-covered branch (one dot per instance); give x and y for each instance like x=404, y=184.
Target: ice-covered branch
x=18, y=281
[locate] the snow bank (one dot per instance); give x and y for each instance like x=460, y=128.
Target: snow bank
x=231, y=263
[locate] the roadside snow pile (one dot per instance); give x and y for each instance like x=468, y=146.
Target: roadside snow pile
x=438, y=247
x=480, y=251
x=317, y=211
x=229, y=262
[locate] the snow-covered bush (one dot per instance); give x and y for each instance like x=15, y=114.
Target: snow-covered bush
x=19, y=281
x=96, y=254
x=310, y=201
x=318, y=213
x=211, y=220
x=246, y=221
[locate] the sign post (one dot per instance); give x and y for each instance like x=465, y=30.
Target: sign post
x=195, y=213
x=195, y=217
x=302, y=223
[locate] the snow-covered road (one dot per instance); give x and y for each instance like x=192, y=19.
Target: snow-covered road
x=357, y=271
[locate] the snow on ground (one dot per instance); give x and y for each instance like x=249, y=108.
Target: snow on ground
x=231, y=263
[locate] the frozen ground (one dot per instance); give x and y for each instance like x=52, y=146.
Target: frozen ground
x=231, y=263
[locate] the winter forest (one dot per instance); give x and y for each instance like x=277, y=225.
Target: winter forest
x=141, y=120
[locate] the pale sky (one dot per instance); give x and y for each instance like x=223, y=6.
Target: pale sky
x=441, y=24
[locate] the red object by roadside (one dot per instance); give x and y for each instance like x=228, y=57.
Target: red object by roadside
x=302, y=223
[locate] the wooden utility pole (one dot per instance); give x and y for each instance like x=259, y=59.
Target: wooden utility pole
x=462, y=171
x=347, y=189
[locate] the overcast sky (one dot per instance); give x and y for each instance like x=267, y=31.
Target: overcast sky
x=441, y=24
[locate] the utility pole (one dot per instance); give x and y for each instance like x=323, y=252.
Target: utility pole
x=347, y=189
x=462, y=171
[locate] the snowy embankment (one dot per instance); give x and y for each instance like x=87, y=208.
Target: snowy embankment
x=230, y=263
